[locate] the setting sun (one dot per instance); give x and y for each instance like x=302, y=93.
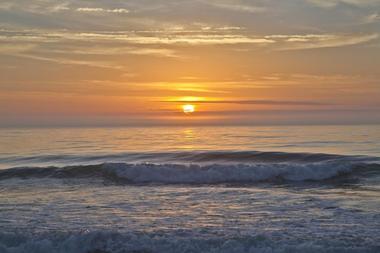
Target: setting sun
x=188, y=109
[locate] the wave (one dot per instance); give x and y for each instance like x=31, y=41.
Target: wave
x=192, y=157
x=148, y=173
x=207, y=167
x=114, y=242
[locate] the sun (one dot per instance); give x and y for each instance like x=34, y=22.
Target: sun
x=188, y=109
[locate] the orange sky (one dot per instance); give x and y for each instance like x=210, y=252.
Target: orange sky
x=239, y=62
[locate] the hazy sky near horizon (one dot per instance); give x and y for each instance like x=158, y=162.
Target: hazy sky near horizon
x=132, y=62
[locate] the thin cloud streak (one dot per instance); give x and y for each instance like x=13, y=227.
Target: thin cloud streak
x=328, y=42
x=276, y=42
x=233, y=6
x=372, y=18
x=66, y=61
x=252, y=102
x=87, y=9
x=334, y=3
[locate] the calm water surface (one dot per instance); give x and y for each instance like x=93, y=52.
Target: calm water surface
x=345, y=140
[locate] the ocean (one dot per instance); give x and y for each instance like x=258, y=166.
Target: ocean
x=279, y=189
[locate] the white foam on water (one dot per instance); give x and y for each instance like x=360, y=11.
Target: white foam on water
x=108, y=242
x=219, y=173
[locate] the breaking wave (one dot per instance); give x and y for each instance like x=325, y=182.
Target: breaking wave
x=211, y=168
x=176, y=157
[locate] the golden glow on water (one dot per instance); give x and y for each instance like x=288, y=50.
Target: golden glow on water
x=354, y=140
x=189, y=139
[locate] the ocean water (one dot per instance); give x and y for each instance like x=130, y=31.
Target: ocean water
x=181, y=189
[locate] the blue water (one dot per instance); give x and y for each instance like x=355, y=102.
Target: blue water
x=233, y=189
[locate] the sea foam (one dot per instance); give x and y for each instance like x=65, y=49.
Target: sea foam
x=200, y=174
x=113, y=242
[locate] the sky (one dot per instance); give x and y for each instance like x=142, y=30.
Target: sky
x=137, y=62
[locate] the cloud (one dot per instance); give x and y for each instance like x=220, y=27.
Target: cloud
x=171, y=38
x=10, y=48
x=6, y=6
x=334, y=3
x=252, y=102
x=108, y=50
x=300, y=42
x=151, y=37
x=233, y=6
x=161, y=52
x=37, y=7
x=194, y=38
x=87, y=9
x=59, y=7
x=66, y=61
x=372, y=18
